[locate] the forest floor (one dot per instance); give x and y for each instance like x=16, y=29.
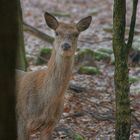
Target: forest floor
x=88, y=112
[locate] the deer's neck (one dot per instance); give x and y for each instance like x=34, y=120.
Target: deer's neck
x=58, y=73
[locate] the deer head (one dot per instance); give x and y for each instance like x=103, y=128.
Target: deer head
x=66, y=34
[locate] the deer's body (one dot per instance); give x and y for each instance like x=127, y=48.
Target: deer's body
x=36, y=104
x=40, y=94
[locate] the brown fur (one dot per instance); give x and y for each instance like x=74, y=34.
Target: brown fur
x=40, y=94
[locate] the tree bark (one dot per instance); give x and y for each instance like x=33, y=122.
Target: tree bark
x=21, y=56
x=121, y=75
x=8, y=44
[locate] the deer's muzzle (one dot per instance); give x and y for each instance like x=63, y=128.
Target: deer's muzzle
x=66, y=46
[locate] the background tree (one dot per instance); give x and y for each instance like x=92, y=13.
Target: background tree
x=121, y=76
x=9, y=37
x=21, y=56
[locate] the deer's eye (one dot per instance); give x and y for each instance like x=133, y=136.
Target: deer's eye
x=56, y=33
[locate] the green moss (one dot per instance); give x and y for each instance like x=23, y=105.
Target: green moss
x=79, y=137
x=77, y=49
x=133, y=79
x=88, y=54
x=101, y=56
x=88, y=70
x=105, y=50
x=83, y=54
x=43, y=56
x=45, y=51
x=75, y=135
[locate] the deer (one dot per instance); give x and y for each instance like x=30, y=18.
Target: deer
x=40, y=94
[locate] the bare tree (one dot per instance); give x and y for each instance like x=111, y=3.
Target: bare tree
x=121, y=51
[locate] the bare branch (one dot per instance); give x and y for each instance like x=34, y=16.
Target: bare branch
x=38, y=33
x=132, y=25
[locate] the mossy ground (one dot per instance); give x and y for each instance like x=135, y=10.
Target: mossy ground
x=43, y=56
x=88, y=70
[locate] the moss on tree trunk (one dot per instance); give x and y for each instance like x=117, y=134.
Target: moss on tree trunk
x=121, y=75
x=123, y=112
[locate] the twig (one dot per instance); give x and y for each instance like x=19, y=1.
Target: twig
x=37, y=33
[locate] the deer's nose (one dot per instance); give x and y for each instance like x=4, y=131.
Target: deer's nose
x=66, y=46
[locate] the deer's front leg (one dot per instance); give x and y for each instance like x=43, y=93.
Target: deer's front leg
x=46, y=134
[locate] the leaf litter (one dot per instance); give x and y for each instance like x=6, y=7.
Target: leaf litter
x=90, y=101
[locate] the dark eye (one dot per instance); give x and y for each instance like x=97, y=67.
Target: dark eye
x=56, y=33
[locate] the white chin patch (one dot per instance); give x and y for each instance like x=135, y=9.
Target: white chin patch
x=65, y=53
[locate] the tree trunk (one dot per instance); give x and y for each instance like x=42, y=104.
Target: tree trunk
x=21, y=57
x=121, y=50
x=8, y=44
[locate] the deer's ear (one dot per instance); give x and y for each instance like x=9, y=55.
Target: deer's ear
x=51, y=21
x=84, y=23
